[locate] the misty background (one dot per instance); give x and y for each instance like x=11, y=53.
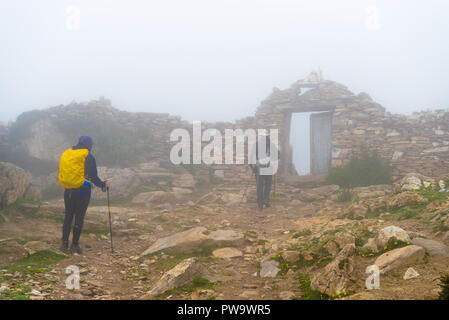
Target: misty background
x=216, y=60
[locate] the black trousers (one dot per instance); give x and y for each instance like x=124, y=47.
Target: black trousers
x=263, y=184
x=75, y=207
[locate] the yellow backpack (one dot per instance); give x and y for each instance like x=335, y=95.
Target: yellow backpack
x=71, y=168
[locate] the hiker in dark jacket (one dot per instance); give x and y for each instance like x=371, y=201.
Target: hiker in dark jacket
x=262, y=164
x=76, y=200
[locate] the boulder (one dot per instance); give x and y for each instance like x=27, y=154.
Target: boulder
x=337, y=274
x=404, y=199
x=399, y=257
x=15, y=184
x=269, y=269
x=192, y=239
x=182, y=274
x=227, y=253
x=123, y=182
x=432, y=247
x=391, y=232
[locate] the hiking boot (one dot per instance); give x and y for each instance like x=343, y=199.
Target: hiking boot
x=64, y=246
x=267, y=204
x=75, y=248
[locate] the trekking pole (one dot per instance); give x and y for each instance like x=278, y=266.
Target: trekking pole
x=110, y=222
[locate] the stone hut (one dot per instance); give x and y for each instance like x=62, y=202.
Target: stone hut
x=344, y=124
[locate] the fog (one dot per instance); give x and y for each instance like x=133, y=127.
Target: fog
x=216, y=60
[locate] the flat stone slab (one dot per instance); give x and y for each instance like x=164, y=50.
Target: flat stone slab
x=434, y=248
x=410, y=274
x=227, y=253
x=195, y=238
x=269, y=269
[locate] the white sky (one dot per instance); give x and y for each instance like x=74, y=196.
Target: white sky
x=217, y=59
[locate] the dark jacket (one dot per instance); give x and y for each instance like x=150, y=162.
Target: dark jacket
x=90, y=173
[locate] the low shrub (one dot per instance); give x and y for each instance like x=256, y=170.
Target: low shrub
x=361, y=172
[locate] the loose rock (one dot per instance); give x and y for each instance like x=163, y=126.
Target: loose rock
x=399, y=257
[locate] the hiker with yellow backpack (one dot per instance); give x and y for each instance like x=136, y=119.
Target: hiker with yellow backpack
x=77, y=172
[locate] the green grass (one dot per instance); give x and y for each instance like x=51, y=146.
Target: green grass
x=307, y=292
x=197, y=283
x=250, y=234
x=334, y=231
x=407, y=212
x=20, y=292
x=441, y=226
x=444, y=284
x=367, y=233
x=97, y=232
x=304, y=233
x=359, y=242
x=4, y=251
x=345, y=196
x=320, y=258
x=20, y=206
x=204, y=254
x=2, y=219
x=432, y=193
x=392, y=244
x=372, y=214
x=363, y=235
x=57, y=218
x=35, y=263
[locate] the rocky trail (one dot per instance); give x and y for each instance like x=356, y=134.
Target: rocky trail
x=215, y=245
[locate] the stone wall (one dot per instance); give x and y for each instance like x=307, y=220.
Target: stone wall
x=47, y=140
x=415, y=143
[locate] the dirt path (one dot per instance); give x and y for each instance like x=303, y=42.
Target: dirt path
x=125, y=275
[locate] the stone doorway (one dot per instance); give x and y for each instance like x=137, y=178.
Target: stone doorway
x=308, y=141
